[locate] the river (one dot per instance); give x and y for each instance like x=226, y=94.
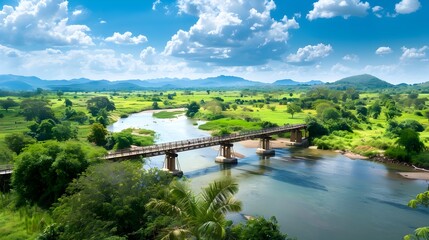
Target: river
x=314, y=194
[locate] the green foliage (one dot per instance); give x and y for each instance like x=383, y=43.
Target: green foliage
x=193, y=108
x=64, y=131
x=108, y=200
x=398, y=153
x=315, y=128
x=258, y=228
x=6, y=155
x=375, y=110
x=35, y=109
x=126, y=138
x=330, y=114
x=8, y=103
x=155, y=105
x=293, y=108
x=422, y=199
x=167, y=114
x=199, y=216
x=409, y=139
x=421, y=160
x=98, y=134
x=95, y=104
x=231, y=125
x=43, y=171
x=68, y=102
x=18, y=141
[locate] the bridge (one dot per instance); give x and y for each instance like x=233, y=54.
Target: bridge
x=226, y=154
x=5, y=174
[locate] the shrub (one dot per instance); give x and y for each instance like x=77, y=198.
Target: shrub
x=124, y=115
x=398, y=153
x=421, y=160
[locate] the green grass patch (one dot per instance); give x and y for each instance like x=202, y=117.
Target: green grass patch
x=167, y=114
x=231, y=125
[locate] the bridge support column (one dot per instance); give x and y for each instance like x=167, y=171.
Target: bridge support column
x=264, y=147
x=171, y=164
x=226, y=154
x=296, y=136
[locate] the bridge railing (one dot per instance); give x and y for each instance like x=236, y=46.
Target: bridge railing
x=205, y=140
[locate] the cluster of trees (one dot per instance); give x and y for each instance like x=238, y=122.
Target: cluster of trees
x=122, y=201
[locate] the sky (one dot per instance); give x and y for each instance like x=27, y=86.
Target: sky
x=260, y=40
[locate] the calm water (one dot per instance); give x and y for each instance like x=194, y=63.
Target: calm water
x=314, y=194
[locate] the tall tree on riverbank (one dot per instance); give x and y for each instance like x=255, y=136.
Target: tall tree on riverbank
x=201, y=216
x=193, y=108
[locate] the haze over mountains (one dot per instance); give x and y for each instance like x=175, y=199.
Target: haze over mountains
x=23, y=83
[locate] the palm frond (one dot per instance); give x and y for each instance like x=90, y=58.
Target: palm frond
x=217, y=193
x=212, y=230
x=164, y=207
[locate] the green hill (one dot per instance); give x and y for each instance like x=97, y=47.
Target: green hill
x=364, y=81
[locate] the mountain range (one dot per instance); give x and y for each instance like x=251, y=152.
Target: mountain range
x=25, y=83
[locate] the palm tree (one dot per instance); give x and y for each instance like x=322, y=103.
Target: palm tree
x=199, y=216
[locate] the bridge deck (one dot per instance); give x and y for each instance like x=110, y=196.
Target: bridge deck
x=185, y=145
x=6, y=169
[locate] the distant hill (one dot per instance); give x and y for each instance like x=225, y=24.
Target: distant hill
x=364, y=81
x=290, y=82
x=23, y=83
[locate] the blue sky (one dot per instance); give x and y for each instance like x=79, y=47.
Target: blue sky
x=255, y=39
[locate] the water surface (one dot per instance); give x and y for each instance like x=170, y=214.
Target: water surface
x=314, y=194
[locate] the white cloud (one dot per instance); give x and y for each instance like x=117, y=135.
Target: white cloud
x=383, y=50
x=231, y=33
x=126, y=38
x=339, y=68
x=414, y=53
x=407, y=6
x=77, y=12
x=148, y=55
x=39, y=24
x=155, y=4
x=377, y=11
x=351, y=58
x=334, y=8
x=103, y=22
x=309, y=54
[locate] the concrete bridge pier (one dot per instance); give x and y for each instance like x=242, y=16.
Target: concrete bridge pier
x=296, y=136
x=171, y=164
x=226, y=154
x=264, y=147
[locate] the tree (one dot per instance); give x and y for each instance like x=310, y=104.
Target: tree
x=193, y=108
x=409, y=139
x=427, y=115
x=258, y=228
x=95, y=104
x=330, y=114
x=155, y=105
x=60, y=94
x=64, y=131
x=362, y=110
x=68, y=102
x=375, y=110
x=43, y=171
x=18, y=141
x=208, y=92
x=34, y=109
x=315, y=128
x=198, y=216
x=109, y=200
x=293, y=108
x=6, y=155
x=98, y=134
x=8, y=103
x=423, y=232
